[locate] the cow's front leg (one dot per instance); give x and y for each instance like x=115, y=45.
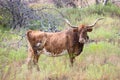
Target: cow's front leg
x=72, y=59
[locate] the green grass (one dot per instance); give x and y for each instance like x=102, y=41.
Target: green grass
x=101, y=48
x=17, y=55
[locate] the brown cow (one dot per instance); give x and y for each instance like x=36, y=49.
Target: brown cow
x=55, y=44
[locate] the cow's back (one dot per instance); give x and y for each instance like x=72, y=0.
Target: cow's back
x=56, y=42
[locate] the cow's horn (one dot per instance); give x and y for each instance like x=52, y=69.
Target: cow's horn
x=68, y=22
x=95, y=22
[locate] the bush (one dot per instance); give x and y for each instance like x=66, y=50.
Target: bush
x=93, y=10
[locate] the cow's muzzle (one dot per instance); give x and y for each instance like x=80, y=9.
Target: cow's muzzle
x=82, y=40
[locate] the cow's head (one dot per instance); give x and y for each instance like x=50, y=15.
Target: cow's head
x=82, y=33
x=82, y=30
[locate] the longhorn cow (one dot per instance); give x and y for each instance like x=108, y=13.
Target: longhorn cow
x=69, y=41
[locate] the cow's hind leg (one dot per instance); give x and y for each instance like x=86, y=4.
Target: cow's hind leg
x=35, y=61
x=29, y=59
x=28, y=62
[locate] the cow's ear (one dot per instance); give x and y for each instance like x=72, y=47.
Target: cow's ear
x=75, y=30
x=89, y=29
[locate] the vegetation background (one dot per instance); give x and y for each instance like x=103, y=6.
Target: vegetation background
x=100, y=59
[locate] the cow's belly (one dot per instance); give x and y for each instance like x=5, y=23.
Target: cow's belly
x=53, y=54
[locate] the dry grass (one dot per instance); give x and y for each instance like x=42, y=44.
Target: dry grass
x=90, y=65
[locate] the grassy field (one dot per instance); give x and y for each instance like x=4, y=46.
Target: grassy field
x=100, y=60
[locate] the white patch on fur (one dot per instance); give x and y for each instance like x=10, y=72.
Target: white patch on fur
x=54, y=55
x=38, y=44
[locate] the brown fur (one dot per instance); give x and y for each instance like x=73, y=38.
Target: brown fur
x=71, y=40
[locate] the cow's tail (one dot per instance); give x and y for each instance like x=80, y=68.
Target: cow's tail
x=28, y=34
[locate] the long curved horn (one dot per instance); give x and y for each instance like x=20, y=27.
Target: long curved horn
x=68, y=22
x=95, y=22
